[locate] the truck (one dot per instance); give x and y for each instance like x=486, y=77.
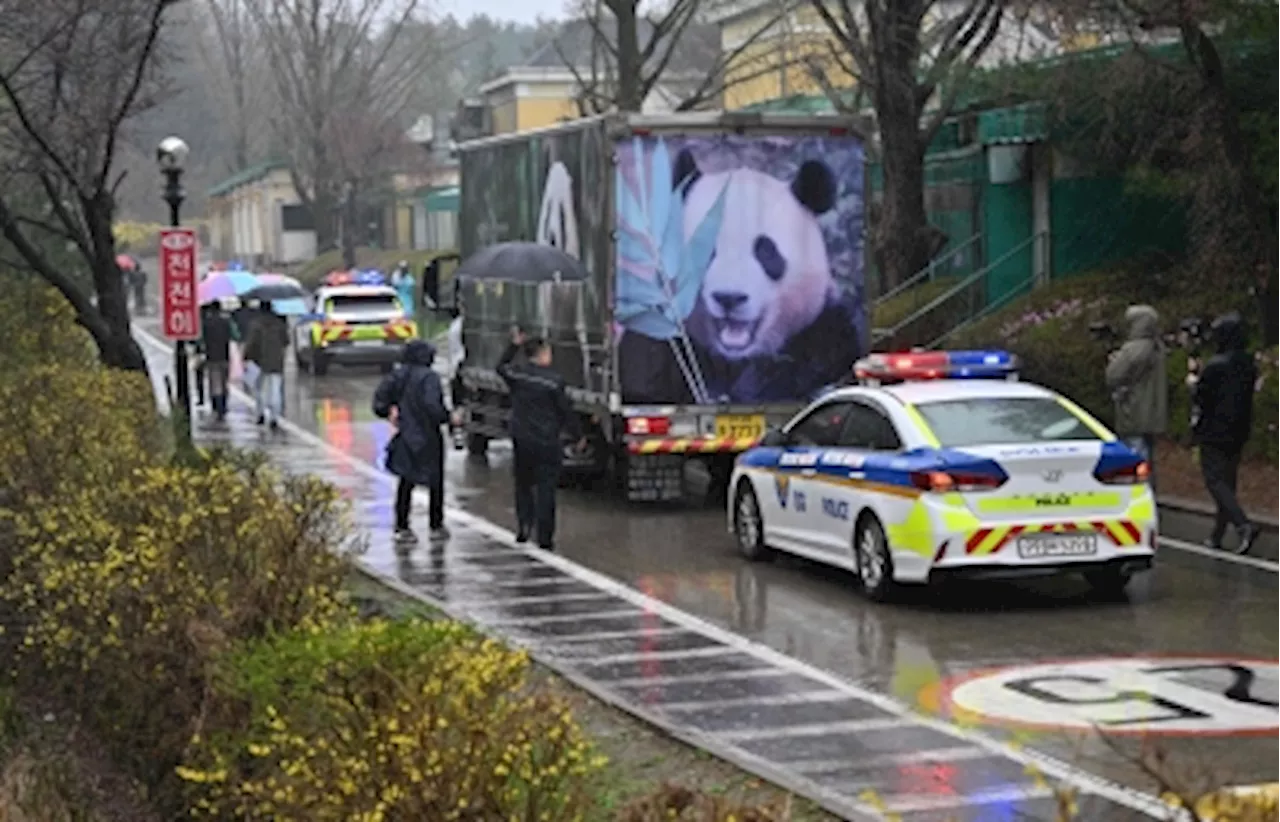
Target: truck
x=723, y=288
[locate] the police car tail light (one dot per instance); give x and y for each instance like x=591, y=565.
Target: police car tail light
x=648, y=426
x=1135, y=474
x=941, y=482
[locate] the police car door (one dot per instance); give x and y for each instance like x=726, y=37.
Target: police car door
x=867, y=432
x=799, y=482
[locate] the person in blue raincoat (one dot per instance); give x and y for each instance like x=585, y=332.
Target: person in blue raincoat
x=402, y=281
x=412, y=398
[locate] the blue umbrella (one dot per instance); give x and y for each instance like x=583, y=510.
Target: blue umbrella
x=293, y=307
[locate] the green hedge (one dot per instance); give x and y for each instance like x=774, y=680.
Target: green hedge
x=1049, y=331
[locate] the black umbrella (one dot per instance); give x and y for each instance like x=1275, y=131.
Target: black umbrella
x=521, y=262
x=274, y=291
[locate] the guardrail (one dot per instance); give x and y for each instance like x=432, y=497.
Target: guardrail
x=968, y=300
x=927, y=273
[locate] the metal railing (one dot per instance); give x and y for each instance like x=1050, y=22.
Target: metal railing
x=968, y=300
x=927, y=273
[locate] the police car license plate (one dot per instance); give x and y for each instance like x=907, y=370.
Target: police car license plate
x=1047, y=546
x=740, y=426
x=367, y=342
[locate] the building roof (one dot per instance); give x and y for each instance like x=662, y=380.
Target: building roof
x=249, y=175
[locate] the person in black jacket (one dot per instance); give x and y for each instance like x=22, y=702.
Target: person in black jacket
x=1221, y=421
x=540, y=411
x=217, y=332
x=413, y=399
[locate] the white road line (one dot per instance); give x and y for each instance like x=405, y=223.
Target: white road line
x=1221, y=556
x=916, y=804
x=693, y=679
x=963, y=753
x=778, y=700
x=1051, y=767
x=652, y=656
x=815, y=729
x=478, y=604
x=603, y=636
x=500, y=621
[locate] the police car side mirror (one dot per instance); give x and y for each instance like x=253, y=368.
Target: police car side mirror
x=773, y=438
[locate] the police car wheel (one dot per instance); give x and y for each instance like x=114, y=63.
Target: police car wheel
x=748, y=524
x=872, y=559
x=1108, y=581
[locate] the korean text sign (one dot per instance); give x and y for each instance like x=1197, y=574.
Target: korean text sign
x=180, y=309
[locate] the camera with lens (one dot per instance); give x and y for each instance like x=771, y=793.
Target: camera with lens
x=1103, y=332
x=1193, y=333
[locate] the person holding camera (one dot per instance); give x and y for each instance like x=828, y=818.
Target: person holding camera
x=1139, y=384
x=1221, y=422
x=540, y=410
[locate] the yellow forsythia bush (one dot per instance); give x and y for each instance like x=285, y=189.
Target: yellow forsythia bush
x=125, y=593
x=407, y=720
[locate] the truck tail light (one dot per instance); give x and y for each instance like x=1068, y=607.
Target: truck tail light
x=1135, y=474
x=648, y=426
x=941, y=482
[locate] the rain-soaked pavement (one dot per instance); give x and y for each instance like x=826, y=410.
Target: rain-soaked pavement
x=929, y=703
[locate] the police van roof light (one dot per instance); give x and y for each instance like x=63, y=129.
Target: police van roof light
x=936, y=365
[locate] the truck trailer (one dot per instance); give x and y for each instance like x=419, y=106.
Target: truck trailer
x=724, y=281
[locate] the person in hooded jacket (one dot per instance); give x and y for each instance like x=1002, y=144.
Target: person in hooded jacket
x=1221, y=422
x=1138, y=378
x=412, y=398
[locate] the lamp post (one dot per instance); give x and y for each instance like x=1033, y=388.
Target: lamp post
x=171, y=154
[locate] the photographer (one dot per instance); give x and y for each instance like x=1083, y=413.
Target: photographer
x=1221, y=421
x=1137, y=377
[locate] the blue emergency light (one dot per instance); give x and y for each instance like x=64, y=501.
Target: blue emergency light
x=937, y=365
x=370, y=277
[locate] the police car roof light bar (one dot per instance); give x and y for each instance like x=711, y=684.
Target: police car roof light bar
x=937, y=365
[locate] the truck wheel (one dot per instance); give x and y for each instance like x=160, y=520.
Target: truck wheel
x=477, y=444
x=319, y=364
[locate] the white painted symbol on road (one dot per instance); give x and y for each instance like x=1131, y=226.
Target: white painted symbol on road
x=1187, y=696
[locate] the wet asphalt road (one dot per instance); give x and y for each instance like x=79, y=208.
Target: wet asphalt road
x=911, y=651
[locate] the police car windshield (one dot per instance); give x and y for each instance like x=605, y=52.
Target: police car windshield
x=363, y=305
x=1002, y=421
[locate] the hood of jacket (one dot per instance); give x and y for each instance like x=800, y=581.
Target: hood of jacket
x=1143, y=322
x=419, y=352
x=1228, y=332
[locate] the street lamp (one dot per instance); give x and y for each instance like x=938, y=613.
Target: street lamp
x=171, y=155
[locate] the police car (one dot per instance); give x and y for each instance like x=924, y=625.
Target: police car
x=361, y=323
x=943, y=464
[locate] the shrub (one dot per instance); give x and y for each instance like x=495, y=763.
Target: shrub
x=387, y=720
x=125, y=593
x=673, y=803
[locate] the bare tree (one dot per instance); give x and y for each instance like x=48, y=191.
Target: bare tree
x=910, y=56
x=72, y=74
x=328, y=59
x=630, y=54
x=233, y=54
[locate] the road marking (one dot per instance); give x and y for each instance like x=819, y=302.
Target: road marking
x=551, y=620
x=965, y=753
x=763, y=701
x=1149, y=695
x=1046, y=764
x=652, y=656
x=695, y=679
x=1221, y=556
x=601, y=636
x=480, y=604
x=815, y=729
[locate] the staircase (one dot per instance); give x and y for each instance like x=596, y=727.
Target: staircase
x=930, y=325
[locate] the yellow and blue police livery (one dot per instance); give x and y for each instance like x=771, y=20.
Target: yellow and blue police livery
x=941, y=464
x=356, y=320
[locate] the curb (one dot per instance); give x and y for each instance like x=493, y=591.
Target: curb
x=1202, y=509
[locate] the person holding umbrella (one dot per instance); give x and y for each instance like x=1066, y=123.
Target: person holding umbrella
x=266, y=345
x=218, y=331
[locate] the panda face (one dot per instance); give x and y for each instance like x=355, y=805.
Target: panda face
x=770, y=276
x=557, y=221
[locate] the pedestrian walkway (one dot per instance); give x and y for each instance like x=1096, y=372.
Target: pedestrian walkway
x=790, y=723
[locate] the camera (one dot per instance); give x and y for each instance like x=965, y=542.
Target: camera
x=1103, y=332
x=1193, y=333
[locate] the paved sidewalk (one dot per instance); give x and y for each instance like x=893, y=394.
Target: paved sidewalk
x=804, y=729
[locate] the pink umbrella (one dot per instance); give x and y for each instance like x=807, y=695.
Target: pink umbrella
x=125, y=263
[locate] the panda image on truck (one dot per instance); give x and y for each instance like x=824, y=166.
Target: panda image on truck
x=771, y=322
x=720, y=285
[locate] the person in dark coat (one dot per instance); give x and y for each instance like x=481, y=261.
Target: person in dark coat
x=217, y=332
x=1221, y=422
x=266, y=344
x=413, y=399
x=540, y=411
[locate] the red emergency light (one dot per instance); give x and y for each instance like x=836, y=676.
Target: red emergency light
x=936, y=365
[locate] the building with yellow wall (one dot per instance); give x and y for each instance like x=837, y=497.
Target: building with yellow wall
x=257, y=217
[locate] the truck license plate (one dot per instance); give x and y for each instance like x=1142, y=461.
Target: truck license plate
x=1047, y=546
x=740, y=426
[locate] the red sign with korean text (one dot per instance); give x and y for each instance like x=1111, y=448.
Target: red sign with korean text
x=180, y=310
